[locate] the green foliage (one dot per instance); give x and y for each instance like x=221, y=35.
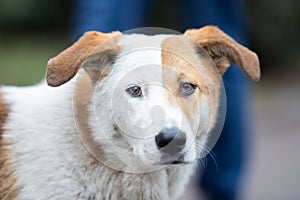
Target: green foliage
x=33, y=14
x=276, y=27
x=24, y=59
x=27, y=41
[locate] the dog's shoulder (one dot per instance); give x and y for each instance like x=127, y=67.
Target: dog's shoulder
x=8, y=188
x=3, y=112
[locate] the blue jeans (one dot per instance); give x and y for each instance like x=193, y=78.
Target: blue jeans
x=109, y=15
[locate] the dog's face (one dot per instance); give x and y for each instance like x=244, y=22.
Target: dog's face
x=155, y=98
x=155, y=101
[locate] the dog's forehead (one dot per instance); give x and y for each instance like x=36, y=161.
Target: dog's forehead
x=140, y=50
x=134, y=41
x=177, y=44
x=174, y=51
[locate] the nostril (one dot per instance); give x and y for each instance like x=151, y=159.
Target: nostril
x=164, y=138
x=171, y=140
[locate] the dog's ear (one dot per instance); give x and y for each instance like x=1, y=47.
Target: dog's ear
x=64, y=66
x=225, y=51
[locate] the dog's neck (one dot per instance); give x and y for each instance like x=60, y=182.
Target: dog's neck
x=103, y=182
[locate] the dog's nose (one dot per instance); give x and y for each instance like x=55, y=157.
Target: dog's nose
x=170, y=140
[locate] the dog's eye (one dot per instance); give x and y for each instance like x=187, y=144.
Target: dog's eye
x=187, y=89
x=135, y=91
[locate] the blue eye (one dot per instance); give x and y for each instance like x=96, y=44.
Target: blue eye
x=187, y=88
x=135, y=91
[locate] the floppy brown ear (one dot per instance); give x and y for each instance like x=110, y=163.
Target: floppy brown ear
x=64, y=66
x=226, y=51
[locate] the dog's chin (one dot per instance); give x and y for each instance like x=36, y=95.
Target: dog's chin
x=181, y=160
x=175, y=162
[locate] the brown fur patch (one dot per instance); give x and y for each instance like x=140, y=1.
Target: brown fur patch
x=64, y=66
x=100, y=60
x=192, y=63
x=225, y=51
x=8, y=186
x=182, y=63
x=97, y=66
x=82, y=99
x=83, y=94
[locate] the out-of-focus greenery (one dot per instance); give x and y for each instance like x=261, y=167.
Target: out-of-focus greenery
x=23, y=59
x=32, y=31
x=19, y=15
x=275, y=30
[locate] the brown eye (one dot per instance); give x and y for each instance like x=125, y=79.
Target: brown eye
x=187, y=89
x=135, y=91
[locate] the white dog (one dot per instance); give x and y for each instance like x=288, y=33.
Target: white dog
x=129, y=119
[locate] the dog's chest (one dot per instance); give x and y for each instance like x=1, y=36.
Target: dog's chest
x=161, y=184
x=101, y=182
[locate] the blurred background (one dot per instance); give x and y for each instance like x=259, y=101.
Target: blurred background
x=33, y=31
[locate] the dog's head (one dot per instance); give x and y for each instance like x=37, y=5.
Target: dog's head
x=151, y=98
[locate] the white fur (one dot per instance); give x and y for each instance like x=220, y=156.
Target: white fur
x=51, y=161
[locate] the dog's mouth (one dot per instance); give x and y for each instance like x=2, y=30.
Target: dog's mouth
x=171, y=161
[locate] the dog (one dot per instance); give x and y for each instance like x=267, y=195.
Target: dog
x=119, y=116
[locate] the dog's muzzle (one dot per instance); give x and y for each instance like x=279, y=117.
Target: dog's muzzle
x=170, y=141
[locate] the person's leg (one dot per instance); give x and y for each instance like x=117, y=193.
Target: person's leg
x=229, y=151
x=108, y=15
x=222, y=183
x=134, y=13
x=229, y=15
